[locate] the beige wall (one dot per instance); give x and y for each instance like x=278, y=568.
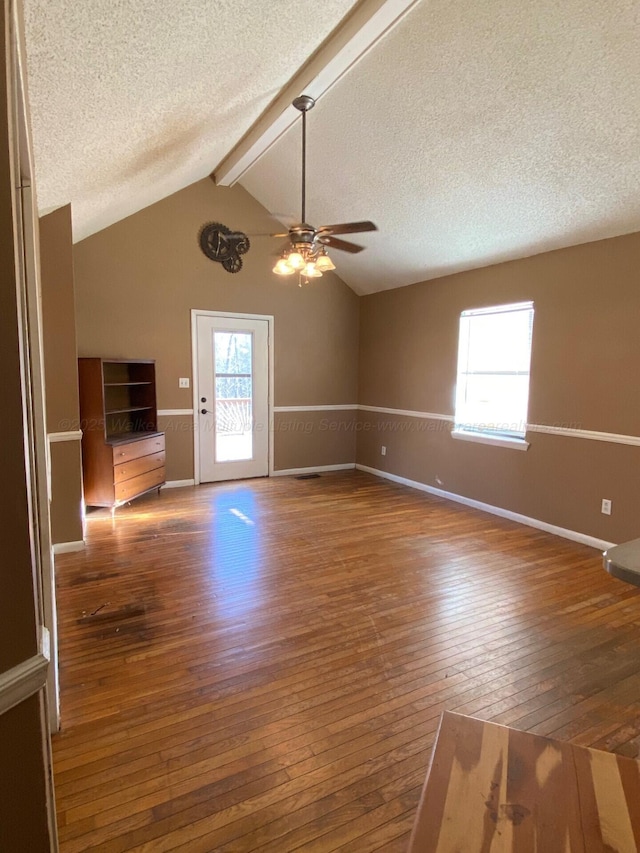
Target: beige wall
x=178, y=431
x=58, y=308
x=329, y=438
x=584, y=373
x=61, y=372
x=137, y=281
x=66, y=492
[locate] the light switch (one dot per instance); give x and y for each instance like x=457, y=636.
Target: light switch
x=183, y=382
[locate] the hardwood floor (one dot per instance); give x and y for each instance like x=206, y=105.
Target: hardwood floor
x=261, y=666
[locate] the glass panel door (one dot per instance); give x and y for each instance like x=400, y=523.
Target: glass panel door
x=233, y=359
x=232, y=388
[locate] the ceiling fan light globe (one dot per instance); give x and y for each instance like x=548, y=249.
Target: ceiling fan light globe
x=295, y=261
x=325, y=264
x=283, y=267
x=311, y=271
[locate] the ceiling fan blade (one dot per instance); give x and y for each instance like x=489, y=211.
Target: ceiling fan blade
x=348, y=228
x=285, y=234
x=343, y=245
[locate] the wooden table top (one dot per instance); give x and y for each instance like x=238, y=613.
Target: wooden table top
x=491, y=789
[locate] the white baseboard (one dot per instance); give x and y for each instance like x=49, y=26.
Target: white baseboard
x=315, y=469
x=600, y=544
x=178, y=484
x=68, y=547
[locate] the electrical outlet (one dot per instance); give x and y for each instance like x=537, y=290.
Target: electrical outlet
x=383, y=450
x=606, y=507
x=183, y=382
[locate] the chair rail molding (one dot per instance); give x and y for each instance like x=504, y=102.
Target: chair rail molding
x=68, y=435
x=549, y=429
x=26, y=678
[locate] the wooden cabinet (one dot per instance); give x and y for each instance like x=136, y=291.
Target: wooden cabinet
x=123, y=454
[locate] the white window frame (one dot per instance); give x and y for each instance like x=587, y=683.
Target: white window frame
x=496, y=435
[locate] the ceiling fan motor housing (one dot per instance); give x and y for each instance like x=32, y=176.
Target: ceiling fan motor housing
x=304, y=233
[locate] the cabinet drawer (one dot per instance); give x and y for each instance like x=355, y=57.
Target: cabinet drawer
x=127, y=470
x=129, y=489
x=134, y=449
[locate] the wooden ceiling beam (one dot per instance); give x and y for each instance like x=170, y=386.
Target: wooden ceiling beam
x=363, y=28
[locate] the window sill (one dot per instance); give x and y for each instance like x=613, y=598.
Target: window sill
x=495, y=440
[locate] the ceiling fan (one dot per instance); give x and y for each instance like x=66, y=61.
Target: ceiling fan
x=306, y=253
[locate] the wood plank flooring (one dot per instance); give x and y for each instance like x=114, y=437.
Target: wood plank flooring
x=261, y=665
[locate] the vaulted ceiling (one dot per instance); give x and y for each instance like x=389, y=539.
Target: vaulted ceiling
x=470, y=132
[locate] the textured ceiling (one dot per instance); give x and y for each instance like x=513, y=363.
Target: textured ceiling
x=474, y=132
x=132, y=100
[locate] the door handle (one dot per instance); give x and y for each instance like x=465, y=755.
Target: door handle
x=205, y=412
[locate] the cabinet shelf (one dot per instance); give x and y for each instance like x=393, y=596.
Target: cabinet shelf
x=128, y=409
x=124, y=384
x=123, y=454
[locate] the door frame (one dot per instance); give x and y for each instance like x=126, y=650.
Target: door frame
x=231, y=315
x=37, y=674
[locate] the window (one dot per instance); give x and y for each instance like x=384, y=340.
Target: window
x=492, y=390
